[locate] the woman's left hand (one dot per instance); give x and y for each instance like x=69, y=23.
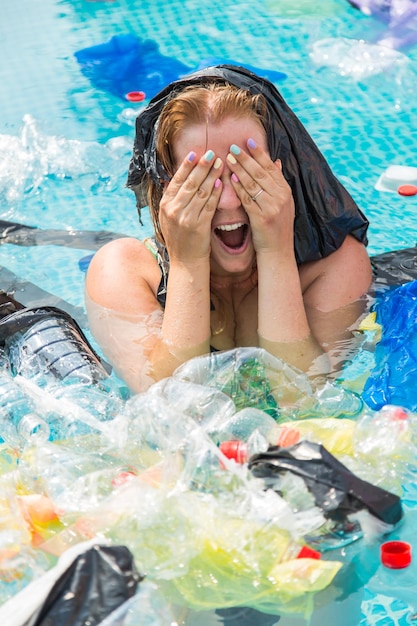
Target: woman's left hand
x=266, y=197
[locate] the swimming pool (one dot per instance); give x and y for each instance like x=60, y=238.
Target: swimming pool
x=67, y=144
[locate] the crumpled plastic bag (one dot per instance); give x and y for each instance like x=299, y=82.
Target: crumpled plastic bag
x=393, y=378
x=86, y=585
x=94, y=585
x=253, y=377
x=207, y=552
x=337, y=491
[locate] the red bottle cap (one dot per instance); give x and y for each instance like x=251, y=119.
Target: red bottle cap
x=308, y=553
x=136, y=96
x=122, y=478
x=407, y=190
x=235, y=449
x=396, y=554
x=399, y=414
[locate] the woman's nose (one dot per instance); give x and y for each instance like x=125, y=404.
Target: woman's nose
x=228, y=197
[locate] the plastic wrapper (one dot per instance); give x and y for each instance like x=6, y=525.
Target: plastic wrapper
x=336, y=435
x=254, y=378
x=20, y=562
x=205, y=405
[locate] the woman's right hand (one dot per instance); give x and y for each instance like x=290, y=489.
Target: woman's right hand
x=188, y=205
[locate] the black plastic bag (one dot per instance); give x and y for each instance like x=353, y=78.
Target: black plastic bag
x=336, y=490
x=325, y=213
x=96, y=583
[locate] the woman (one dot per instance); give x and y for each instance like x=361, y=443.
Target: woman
x=256, y=242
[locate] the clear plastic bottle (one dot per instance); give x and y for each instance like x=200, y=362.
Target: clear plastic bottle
x=46, y=344
x=251, y=431
x=19, y=422
x=394, y=584
x=392, y=430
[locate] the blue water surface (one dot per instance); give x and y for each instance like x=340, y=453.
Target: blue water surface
x=65, y=143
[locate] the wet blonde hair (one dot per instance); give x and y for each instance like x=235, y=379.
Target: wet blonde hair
x=202, y=104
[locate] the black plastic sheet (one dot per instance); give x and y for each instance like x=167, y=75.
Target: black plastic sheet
x=336, y=490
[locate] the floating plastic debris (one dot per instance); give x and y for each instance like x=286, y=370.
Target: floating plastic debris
x=355, y=58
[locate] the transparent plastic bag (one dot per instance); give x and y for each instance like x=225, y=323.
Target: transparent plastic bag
x=254, y=378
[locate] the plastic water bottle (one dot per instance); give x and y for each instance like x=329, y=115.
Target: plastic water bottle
x=19, y=422
x=46, y=344
x=395, y=579
x=251, y=431
x=385, y=444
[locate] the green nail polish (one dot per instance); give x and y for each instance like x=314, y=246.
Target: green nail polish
x=235, y=149
x=209, y=155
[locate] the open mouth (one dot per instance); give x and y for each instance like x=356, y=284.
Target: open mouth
x=232, y=235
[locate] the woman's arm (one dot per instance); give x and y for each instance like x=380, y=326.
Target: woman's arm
x=142, y=342
x=290, y=299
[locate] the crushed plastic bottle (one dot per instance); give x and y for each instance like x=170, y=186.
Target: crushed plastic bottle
x=46, y=343
x=385, y=447
x=241, y=451
x=20, y=423
x=56, y=369
x=243, y=424
x=250, y=431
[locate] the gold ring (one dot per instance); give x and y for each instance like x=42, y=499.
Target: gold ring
x=258, y=193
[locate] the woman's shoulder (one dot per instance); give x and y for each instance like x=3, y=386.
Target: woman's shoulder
x=120, y=270
x=338, y=279
x=125, y=249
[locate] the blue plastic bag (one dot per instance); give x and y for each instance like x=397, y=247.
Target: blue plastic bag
x=393, y=379
x=127, y=63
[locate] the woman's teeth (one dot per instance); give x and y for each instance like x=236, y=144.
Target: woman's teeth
x=230, y=226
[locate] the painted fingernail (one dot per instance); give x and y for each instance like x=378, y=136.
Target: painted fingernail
x=191, y=156
x=217, y=163
x=235, y=149
x=209, y=155
x=234, y=178
x=231, y=159
x=217, y=183
x=251, y=143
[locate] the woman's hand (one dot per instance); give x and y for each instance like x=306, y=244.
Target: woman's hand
x=188, y=205
x=266, y=197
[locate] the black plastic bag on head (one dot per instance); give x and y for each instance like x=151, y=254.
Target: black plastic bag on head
x=96, y=583
x=336, y=490
x=325, y=213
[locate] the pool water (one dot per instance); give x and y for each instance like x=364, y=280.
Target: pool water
x=65, y=145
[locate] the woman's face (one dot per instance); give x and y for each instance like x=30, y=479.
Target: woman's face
x=231, y=241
